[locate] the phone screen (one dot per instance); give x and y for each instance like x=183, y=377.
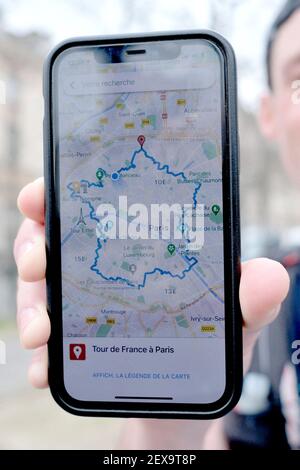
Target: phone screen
x=138, y=139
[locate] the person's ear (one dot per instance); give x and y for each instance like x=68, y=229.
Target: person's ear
x=267, y=117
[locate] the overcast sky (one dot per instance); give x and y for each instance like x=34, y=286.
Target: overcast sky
x=243, y=22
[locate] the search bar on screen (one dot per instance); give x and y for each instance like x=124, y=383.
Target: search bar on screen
x=173, y=79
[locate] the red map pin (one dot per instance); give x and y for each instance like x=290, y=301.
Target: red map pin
x=141, y=139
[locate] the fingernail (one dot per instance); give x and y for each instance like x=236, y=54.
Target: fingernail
x=26, y=316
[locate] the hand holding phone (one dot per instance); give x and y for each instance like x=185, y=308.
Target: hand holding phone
x=260, y=305
x=50, y=208
x=142, y=224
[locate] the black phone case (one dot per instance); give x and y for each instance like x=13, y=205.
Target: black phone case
x=233, y=317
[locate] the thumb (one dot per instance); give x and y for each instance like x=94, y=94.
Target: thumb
x=263, y=287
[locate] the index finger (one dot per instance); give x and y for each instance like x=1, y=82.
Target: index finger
x=31, y=201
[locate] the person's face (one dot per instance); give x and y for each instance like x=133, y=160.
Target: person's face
x=280, y=109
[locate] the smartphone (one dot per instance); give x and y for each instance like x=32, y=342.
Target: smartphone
x=142, y=225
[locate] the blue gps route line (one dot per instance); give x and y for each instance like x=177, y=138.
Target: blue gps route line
x=168, y=273
x=107, y=278
x=195, y=195
x=154, y=161
x=148, y=273
x=165, y=168
x=160, y=168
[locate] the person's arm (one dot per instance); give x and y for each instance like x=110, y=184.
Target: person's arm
x=264, y=285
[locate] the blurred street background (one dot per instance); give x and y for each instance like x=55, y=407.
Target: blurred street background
x=30, y=419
